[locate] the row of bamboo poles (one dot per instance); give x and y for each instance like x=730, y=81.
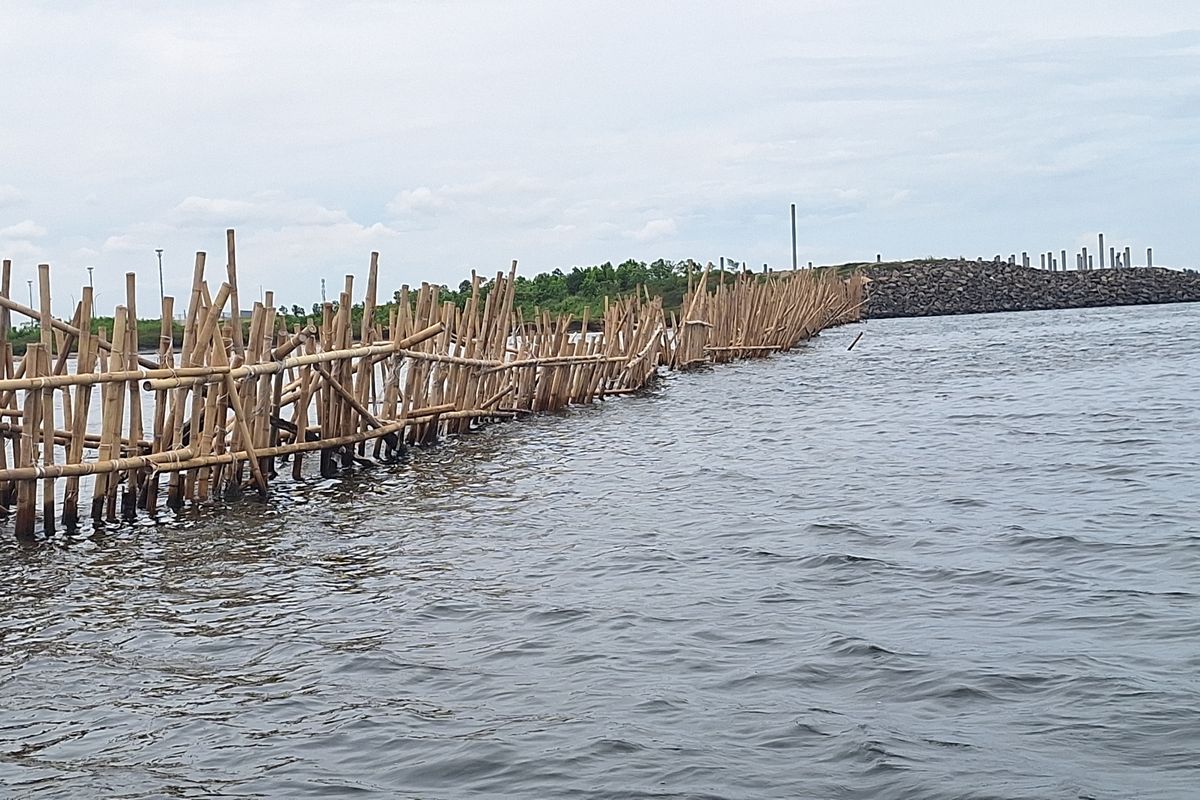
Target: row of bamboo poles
x=236, y=406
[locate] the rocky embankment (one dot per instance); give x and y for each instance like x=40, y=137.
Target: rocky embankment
x=933, y=288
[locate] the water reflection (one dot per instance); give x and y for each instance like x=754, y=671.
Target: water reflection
x=959, y=559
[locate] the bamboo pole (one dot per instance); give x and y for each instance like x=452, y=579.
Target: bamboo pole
x=78, y=469
x=235, y=313
x=44, y=353
x=130, y=494
x=85, y=363
x=221, y=360
x=165, y=356
x=7, y=489
x=113, y=402
x=26, y=518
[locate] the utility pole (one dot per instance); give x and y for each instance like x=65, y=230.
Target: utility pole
x=161, y=293
x=794, y=236
x=322, y=290
x=89, y=269
x=30, y=282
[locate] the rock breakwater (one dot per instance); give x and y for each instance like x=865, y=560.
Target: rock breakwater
x=933, y=288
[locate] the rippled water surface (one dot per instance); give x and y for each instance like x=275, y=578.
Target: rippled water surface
x=959, y=561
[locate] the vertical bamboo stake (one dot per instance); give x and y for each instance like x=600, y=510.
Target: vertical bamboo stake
x=179, y=403
x=235, y=312
x=105, y=493
x=27, y=489
x=85, y=364
x=47, y=397
x=130, y=493
x=165, y=341
x=235, y=400
x=6, y=487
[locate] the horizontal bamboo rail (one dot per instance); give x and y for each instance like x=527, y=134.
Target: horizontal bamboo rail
x=242, y=396
x=96, y=467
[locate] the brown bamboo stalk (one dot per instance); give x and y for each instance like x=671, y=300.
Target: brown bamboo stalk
x=44, y=353
x=220, y=359
x=122, y=464
x=132, y=479
x=113, y=402
x=26, y=518
x=85, y=363
x=235, y=313
x=165, y=357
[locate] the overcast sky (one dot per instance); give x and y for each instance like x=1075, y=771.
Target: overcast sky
x=459, y=135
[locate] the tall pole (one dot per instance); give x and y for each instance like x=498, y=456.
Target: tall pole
x=89, y=269
x=1101, y=253
x=794, y=262
x=161, y=293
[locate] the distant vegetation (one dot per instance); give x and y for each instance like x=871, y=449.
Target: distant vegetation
x=561, y=292
x=148, y=333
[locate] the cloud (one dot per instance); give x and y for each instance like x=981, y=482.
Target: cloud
x=496, y=191
x=997, y=130
x=23, y=230
x=20, y=242
x=419, y=201
x=9, y=195
x=653, y=230
x=264, y=208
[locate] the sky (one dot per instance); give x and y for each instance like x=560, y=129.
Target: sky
x=460, y=135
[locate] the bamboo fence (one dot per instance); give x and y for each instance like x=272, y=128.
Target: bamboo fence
x=232, y=408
